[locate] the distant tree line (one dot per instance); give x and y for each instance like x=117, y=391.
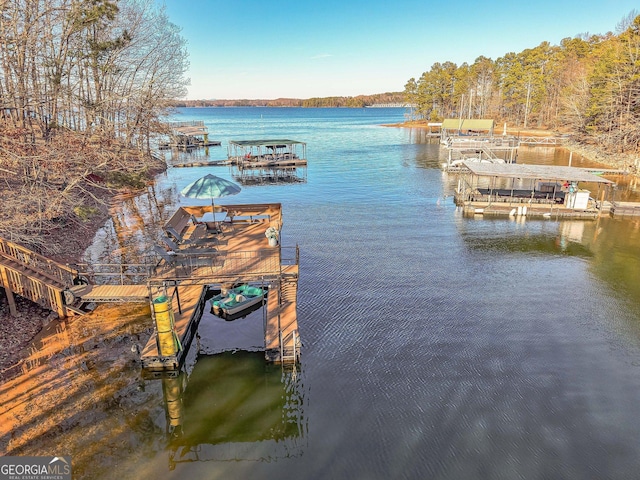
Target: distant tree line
x=589, y=85
x=354, y=102
x=107, y=67
x=278, y=102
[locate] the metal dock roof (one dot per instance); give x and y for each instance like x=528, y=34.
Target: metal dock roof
x=542, y=172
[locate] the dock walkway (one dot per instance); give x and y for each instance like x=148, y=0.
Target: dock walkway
x=625, y=209
x=187, y=305
x=282, y=342
x=33, y=276
x=111, y=293
x=232, y=251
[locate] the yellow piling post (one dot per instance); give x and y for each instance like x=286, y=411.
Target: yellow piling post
x=173, y=397
x=165, y=326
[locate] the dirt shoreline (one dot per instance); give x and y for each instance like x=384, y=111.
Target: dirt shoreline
x=19, y=332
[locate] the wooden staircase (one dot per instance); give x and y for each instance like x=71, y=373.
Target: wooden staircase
x=35, y=277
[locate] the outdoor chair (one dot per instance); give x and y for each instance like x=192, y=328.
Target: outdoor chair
x=189, y=246
x=170, y=243
x=171, y=259
x=195, y=221
x=172, y=231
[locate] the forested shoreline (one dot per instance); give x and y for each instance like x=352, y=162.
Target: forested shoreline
x=588, y=85
x=358, y=101
x=83, y=88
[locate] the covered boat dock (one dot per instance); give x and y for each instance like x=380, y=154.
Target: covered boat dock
x=268, y=161
x=473, y=139
x=267, y=153
x=187, y=135
x=532, y=190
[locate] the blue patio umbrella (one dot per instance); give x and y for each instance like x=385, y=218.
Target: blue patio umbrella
x=211, y=187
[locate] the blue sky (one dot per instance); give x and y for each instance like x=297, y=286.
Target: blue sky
x=261, y=49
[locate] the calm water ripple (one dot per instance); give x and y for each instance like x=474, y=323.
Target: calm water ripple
x=435, y=346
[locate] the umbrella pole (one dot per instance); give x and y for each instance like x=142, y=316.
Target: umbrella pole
x=213, y=212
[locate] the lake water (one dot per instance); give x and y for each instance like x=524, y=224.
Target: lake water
x=434, y=346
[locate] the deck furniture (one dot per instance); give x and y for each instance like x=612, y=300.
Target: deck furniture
x=171, y=244
x=170, y=259
x=184, y=227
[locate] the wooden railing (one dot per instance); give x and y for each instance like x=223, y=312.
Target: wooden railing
x=56, y=272
x=33, y=276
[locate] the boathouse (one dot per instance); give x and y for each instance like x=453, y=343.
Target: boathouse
x=271, y=160
x=187, y=135
x=454, y=127
x=532, y=190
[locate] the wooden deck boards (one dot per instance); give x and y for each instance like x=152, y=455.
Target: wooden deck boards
x=281, y=313
x=240, y=252
x=187, y=313
x=111, y=293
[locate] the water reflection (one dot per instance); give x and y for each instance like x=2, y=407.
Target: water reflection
x=122, y=247
x=234, y=406
x=527, y=236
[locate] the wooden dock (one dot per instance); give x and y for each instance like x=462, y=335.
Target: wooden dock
x=191, y=134
x=239, y=253
x=282, y=321
x=282, y=341
x=625, y=209
x=187, y=305
x=201, y=163
x=233, y=251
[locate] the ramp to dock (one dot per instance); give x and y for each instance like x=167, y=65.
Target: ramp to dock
x=35, y=277
x=111, y=293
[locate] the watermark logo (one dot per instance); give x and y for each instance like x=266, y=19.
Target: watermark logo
x=35, y=468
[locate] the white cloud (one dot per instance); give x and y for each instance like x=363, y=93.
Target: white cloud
x=322, y=55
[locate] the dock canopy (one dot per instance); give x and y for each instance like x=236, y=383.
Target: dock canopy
x=468, y=124
x=265, y=143
x=260, y=148
x=540, y=172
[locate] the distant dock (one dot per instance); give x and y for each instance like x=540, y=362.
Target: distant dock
x=270, y=160
x=188, y=135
